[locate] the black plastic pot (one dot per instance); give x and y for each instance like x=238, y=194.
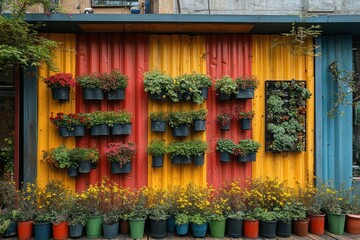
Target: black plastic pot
x=93, y=94
x=180, y=159
x=72, y=171
x=100, y=130
x=283, y=229
x=84, y=166
x=157, y=229
x=158, y=126
x=61, y=94
x=118, y=94
x=267, y=229
x=121, y=129
x=181, y=130
x=204, y=93
x=224, y=96
x=199, y=160
x=247, y=93
x=250, y=157
x=157, y=161
x=199, y=125
x=225, y=156
x=234, y=228
x=158, y=96
x=125, y=168
x=245, y=124
x=225, y=127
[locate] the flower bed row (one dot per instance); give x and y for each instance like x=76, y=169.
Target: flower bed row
x=100, y=123
x=266, y=206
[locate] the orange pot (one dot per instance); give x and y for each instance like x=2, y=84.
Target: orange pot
x=60, y=231
x=251, y=228
x=300, y=227
x=317, y=224
x=352, y=224
x=25, y=230
x=124, y=227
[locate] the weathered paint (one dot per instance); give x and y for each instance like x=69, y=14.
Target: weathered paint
x=227, y=55
x=104, y=53
x=48, y=137
x=176, y=55
x=276, y=63
x=333, y=135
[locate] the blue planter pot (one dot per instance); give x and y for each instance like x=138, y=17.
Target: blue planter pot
x=204, y=93
x=76, y=230
x=125, y=168
x=225, y=156
x=93, y=94
x=170, y=224
x=250, y=157
x=116, y=94
x=61, y=94
x=199, y=231
x=199, y=160
x=42, y=231
x=11, y=229
x=84, y=166
x=158, y=229
x=110, y=230
x=180, y=159
x=223, y=96
x=181, y=130
x=245, y=124
x=158, y=126
x=182, y=229
x=199, y=125
x=121, y=129
x=157, y=161
x=225, y=127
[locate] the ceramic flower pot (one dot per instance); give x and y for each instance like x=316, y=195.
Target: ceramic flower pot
x=251, y=228
x=25, y=230
x=60, y=231
x=317, y=224
x=352, y=224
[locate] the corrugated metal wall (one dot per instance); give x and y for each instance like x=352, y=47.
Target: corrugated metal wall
x=103, y=53
x=48, y=137
x=333, y=135
x=276, y=63
x=227, y=55
x=176, y=55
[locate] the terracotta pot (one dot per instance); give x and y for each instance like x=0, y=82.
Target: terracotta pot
x=300, y=227
x=60, y=231
x=317, y=224
x=124, y=227
x=251, y=228
x=25, y=230
x=352, y=224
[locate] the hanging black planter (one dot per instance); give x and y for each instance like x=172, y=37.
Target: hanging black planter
x=158, y=96
x=283, y=229
x=250, y=157
x=84, y=166
x=125, y=168
x=157, y=229
x=199, y=160
x=64, y=131
x=245, y=123
x=121, y=129
x=267, y=229
x=183, y=96
x=224, y=96
x=180, y=159
x=181, y=130
x=204, y=93
x=225, y=156
x=72, y=172
x=226, y=126
x=100, y=130
x=61, y=94
x=199, y=125
x=93, y=94
x=158, y=126
x=77, y=131
x=234, y=227
x=118, y=94
x=247, y=93
x=157, y=161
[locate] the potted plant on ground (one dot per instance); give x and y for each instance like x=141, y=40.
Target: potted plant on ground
x=91, y=86
x=245, y=118
x=157, y=149
x=251, y=223
x=180, y=152
x=158, y=213
x=84, y=157
x=8, y=204
x=224, y=120
x=100, y=123
x=138, y=200
x=267, y=226
x=158, y=121
x=60, y=85
x=114, y=84
x=300, y=221
x=225, y=148
x=198, y=150
x=245, y=86
x=284, y=221
x=225, y=87
x=72, y=124
x=156, y=84
x=182, y=223
x=352, y=222
x=77, y=217
x=120, y=122
x=248, y=149
x=217, y=216
x=120, y=156
x=180, y=121
x=199, y=119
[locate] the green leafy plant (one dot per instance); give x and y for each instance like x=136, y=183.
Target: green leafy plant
x=298, y=210
x=268, y=216
x=246, y=115
x=199, y=114
x=119, y=117
x=180, y=148
x=138, y=202
x=77, y=211
x=159, y=116
x=181, y=218
x=177, y=118
x=156, y=82
x=113, y=81
x=84, y=154
x=198, y=147
x=98, y=117
x=248, y=146
x=7, y=153
x=202, y=80
x=224, y=118
x=58, y=157
x=225, y=85
x=89, y=81
x=225, y=145
x=157, y=148
x=245, y=82
x=198, y=218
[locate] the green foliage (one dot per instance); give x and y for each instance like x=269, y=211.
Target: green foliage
x=159, y=116
x=89, y=81
x=199, y=114
x=7, y=153
x=265, y=215
x=244, y=82
x=156, y=82
x=58, y=157
x=298, y=210
x=157, y=148
x=224, y=117
x=299, y=40
x=113, y=81
x=188, y=148
x=4, y=224
x=84, y=154
x=225, y=85
x=181, y=218
x=198, y=218
x=225, y=145
x=198, y=147
x=98, y=117
x=181, y=117
x=119, y=117
x=249, y=146
x=8, y=196
x=239, y=215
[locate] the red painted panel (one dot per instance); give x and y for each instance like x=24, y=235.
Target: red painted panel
x=226, y=55
x=103, y=53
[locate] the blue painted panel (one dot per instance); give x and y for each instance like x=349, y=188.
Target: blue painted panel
x=333, y=135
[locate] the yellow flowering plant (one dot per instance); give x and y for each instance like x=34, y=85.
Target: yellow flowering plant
x=199, y=209
x=26, y=201
x=110, y=200
x=219, y=205
x=159, y=204
x=236, y=199
x=333, y=201
x=89, y=198
x=138, y=199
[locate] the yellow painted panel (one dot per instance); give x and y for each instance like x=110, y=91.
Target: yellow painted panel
x=176, y=55
x=48, y=137
x=276, y=63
